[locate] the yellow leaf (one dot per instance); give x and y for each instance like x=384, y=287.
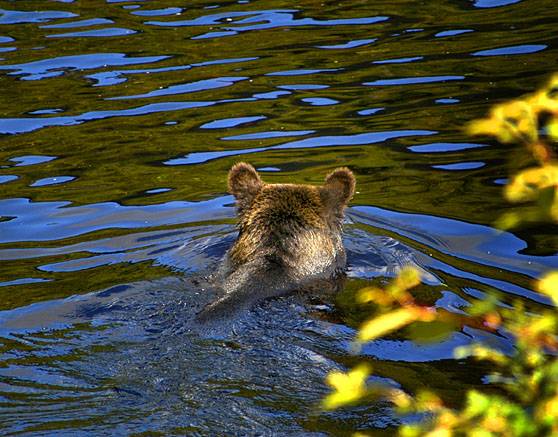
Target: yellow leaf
x=484, y=126
x=548, y=285
x=552, y=129
x=399, y=398
x=541, y=325
x=373, y=294
x=540, y=151
x=439, y=432
x=527, y=126
x=348, y=387
x=553, y=83
x=548, y=410
x=525, y=185
x=481, y=353
x=543, y=102
x=408, y=277
x=513, y=111
x=518, y=119
x=534, y=358
x=429, y=401
x=479, y=431
x=410, y=431
x=386, y=323
x=508, y=220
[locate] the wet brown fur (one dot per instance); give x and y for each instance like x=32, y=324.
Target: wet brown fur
x=289, y=236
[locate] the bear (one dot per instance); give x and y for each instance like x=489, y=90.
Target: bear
x=289, y=239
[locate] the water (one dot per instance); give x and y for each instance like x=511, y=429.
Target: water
x=119, y=122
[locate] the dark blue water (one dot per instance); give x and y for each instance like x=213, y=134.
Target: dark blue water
x=118, y=123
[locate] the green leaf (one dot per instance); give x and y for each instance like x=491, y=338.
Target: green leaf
x=546, y=199
x=431, y=332
x=484, y=306
x=477, y=403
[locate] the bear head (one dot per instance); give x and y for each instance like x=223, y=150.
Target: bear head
x=294, y=227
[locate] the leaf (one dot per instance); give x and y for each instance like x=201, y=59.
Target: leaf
x=428, y=401
x=525, y=185
x=540, y=152
x=543, y=101
x=348, y=387
x=431, y=332
x=542, y=325
x=408, y=277
x=518, y=119
x=480, y=353
x=479, y=432
x=548, y=285
x=546, y=199
x=386, y=323
x=508, y=220
x=439, y=432
x=553, y=83
x=483, y=306
x=484, y=126
x=548, y=411
x=410, y=431
x=399, y=398
x=373, y=294
x=477, y=403
x=552, y=129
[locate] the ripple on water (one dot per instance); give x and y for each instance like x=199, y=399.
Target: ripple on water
x=22, y=161
x=455, y=32
x=326, y=141
x=7, y=178
x=460, y=166
x=370, y=111
x=158, y=12
x=319, y=101
x=114, y=77
x=53, y=180
x=445, y=147
x=231, y=122
x=53, y=67
x=47, y=221
x=512, y=50
x=494, y=3
x=412, y=80
x=267, y=135
x=22, y=17
x=303, y=72
x=186, y=88
x=399, y=60
x=79, y=23
x=349, y=45
x=96, y=33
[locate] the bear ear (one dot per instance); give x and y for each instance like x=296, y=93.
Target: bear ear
x=244, y=182
x=339, y=187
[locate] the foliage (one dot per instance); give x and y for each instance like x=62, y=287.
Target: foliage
x=532, y=121
x=522, y=399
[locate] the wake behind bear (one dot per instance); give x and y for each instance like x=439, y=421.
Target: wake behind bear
x=289, y=239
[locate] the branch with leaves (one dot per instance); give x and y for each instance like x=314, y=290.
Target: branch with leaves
x=527, y=379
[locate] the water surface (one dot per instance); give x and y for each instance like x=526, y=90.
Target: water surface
x=118, y=123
